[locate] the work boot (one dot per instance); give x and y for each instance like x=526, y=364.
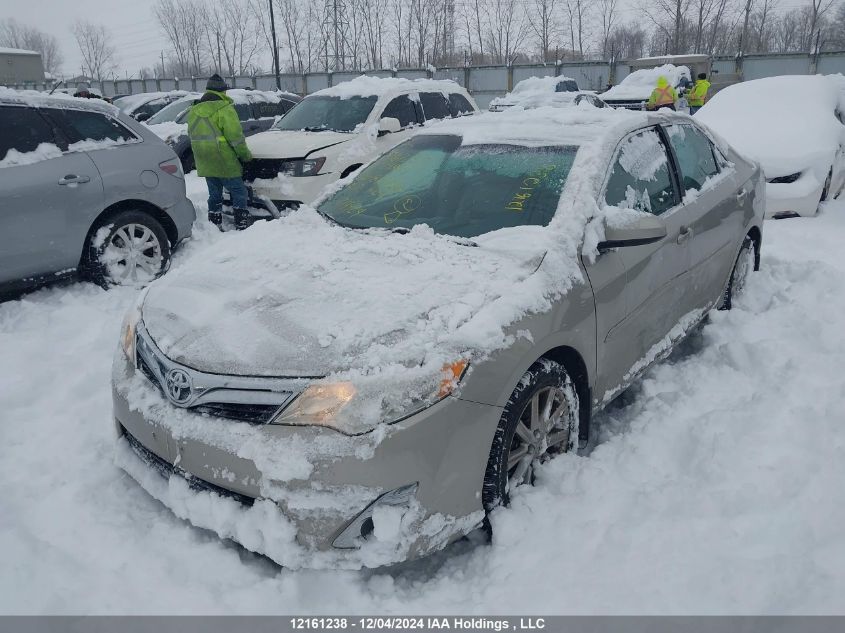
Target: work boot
x=243, y=219
x=216, y=218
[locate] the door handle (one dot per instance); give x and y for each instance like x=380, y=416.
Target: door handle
x=685, y=234
x=740, y=197
x=73, y=179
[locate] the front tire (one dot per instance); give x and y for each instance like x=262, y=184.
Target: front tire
x=539, y=421
x=127, y=249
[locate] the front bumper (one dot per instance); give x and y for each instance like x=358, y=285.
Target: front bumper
x=289, y=492
x=795, y=198
x=287, y=191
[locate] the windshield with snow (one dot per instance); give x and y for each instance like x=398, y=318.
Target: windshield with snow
x=458, y=190
x=318, y=113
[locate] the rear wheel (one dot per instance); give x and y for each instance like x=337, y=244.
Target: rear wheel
x=128, y=249
x=746, y=263
x=539, y=421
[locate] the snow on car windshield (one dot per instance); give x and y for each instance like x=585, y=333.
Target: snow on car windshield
x=318, y=113
x=462, y=191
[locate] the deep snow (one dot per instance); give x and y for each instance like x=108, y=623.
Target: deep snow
x=714, y=485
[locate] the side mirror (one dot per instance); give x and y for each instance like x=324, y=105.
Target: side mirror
x=388, y=125
x=644, y=229
x=142, y=116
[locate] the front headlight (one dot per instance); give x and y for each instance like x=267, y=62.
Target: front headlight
x=130, y=327
x=785, y=180
x=309, y=166
x=342, y=406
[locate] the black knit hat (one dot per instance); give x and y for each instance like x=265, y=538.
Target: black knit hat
x=216, y=82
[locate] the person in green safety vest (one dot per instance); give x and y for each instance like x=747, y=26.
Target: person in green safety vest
x=697, y=97
x=217, y=140
x=663, y=96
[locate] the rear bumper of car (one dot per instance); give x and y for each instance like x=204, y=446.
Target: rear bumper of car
x=183, y=214
x=304, y=496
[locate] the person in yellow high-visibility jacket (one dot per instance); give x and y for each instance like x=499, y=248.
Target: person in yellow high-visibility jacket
x=663, y=96
x=697, y=97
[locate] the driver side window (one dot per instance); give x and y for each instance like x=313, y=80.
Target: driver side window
x=641, y=178
x=401, y=108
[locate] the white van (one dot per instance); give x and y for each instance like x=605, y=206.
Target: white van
x=332, y=132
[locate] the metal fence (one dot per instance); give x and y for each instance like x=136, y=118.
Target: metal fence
x=488, y=82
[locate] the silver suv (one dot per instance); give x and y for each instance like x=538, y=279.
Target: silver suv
x=85, y=189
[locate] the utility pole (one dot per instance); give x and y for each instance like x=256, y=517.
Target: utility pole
x=219, y=62
x=275, y=46
x=162, y=64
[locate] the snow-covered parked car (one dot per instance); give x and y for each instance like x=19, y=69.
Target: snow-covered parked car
x=332, y=132
x=143, y=105
x=257, y=111
x=798, y=137
x=84, y=188
x=535, y=92
x=359, y=384
x=634, y=90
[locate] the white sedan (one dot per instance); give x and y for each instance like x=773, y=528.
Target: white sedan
x=794, y=126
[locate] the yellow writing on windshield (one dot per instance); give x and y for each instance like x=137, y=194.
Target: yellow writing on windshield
x=402, y=207
x=527, y=187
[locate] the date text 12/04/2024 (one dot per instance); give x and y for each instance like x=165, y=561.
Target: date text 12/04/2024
x=371, y=623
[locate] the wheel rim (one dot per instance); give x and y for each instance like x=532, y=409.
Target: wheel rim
x=132, y=255
x=543, y=428
x=744, y=266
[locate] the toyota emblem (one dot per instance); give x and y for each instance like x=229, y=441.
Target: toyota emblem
x=178, y=386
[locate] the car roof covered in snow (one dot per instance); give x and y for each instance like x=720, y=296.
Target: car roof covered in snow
x=367, y=86
x=56, y=100
x=539, y=84
x=129, y=103
x=796, y=128
x=641, y=82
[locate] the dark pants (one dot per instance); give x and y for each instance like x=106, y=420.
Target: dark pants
x=694, y=109
x=235, y=187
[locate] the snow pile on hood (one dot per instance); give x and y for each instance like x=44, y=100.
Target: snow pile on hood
x=366, y=86
x=539, y=84
x=787, y=124
x=382, y=310
x=640, y=83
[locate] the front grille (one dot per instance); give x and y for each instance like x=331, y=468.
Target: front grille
x=252, y=413
x=266, y=168
x=166, y=469
x=628, y=105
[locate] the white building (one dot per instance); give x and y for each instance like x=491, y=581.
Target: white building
x=19, y=66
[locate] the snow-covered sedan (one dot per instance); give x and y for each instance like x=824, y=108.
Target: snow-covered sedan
x=362, y=382
x=635, y=89
x=332, y=132
x=143, y=105
x=794, y=126
x=536, y=92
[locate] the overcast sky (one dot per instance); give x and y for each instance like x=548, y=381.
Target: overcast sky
x=137, y=36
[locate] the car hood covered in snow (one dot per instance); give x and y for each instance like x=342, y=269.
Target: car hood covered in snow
x=787, y=124
x=261, y=305
x=293, y=144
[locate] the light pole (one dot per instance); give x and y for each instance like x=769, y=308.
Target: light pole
x=275, y=46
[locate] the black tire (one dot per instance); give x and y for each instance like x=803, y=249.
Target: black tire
x=540, y=377
x=746, y=262
x=105, y=238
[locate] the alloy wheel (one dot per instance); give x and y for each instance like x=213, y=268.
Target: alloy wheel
x=133, y=254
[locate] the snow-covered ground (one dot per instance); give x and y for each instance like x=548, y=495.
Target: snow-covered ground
x=714, y=486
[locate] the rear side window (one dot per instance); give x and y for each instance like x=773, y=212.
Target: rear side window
x=459, y=105
x=401, y=108
x=566, y=86
x=81, y=125
x=23, y=130
x=640, y=178
x=435, y=105
x=694, y=152
x=270, y=110
x=244, y=111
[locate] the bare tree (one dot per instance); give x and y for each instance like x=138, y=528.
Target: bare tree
x=95, y=45
x=818, y=8
x=668, y=16
x=607, y=19
x=184, y=23
x=542, y=16
x=578, y=13
x=506, y=30
x=16, y=35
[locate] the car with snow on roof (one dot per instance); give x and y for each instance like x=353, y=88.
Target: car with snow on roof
x=535, y=92
x=85, y=189
x=142, y=105
x=431, y=331
x=335, y=131
x=798, y=138
x=635, y=89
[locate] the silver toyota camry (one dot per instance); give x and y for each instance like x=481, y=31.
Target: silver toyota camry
x=363, y=382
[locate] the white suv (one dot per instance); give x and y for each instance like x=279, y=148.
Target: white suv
x=332, y=132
